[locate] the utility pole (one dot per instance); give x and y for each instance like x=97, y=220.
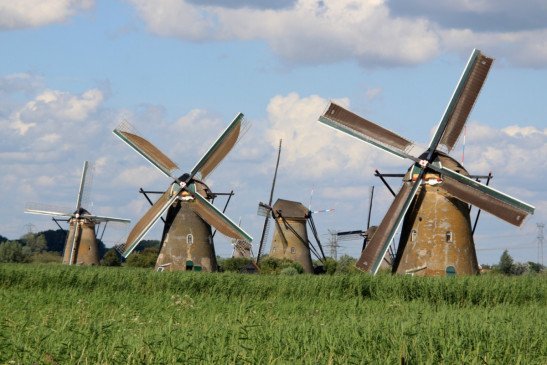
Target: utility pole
x=540, y=242
x=30, y=228
x=333, y=244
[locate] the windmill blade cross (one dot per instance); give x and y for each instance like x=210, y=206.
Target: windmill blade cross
x=343, y=120
x=220, y=148
x=146, y=149
x=376, y=248
x=458, y=109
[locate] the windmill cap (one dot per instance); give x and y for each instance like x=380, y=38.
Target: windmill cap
x=291, y=209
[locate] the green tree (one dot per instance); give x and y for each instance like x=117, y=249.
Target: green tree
x=235, y=264
x=11, y=251
x=535, y=267
x=330, y=265
x=146, y=258
x=35, y=242
x=46, y=257
x=346, y=264
x=506, y=263
x=111, y=258
x=270, y=265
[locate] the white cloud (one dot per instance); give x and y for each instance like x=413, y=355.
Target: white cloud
x=512, y=152
x=515, y=131
x=372, y=32
x=523, y=48
x=373, y=93
x=309, y=32
x=144, y=175
x=312, y=150
x=35, y=13
x=53, y=107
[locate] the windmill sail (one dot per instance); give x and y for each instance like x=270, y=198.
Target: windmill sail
x=48, y=212
x=149, y=219
x=146, y=149
x=222, y=146
x=100, y=218
x=486, y=198
x=375, y=250
x=81, y=189
x=462, y=101
x=343, y=120
x=209, y=213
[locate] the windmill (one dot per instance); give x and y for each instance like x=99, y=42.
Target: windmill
x=432, y=204
x=241, y=248
x=364, y=235
x=187, y=240
x=290, y=240
x=81, y=244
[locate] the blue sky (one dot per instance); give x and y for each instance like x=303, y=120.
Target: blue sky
x=179, y=71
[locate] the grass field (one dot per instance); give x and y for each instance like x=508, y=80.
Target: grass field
x=53, y=314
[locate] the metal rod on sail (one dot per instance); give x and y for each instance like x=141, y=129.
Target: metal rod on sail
x=488, y=178
x=226, y=206
x=370, y=205
x=377, y=173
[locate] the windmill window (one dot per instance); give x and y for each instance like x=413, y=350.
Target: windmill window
x=293, y=250
x=449, y=237
x=189, y=239
x=413, y=235
x=450, y=271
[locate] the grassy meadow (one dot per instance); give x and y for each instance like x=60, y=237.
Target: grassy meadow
x=53, y=314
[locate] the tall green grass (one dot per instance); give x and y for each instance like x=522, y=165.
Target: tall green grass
x=471, y=290
x=68, y=315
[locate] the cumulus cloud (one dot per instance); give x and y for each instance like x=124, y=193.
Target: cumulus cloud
x=309, y=31
x=373, y=32
x=511, y=152
x=35, y=13
x=53, y=105
x=312, y=149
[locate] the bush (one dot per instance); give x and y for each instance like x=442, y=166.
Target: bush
x=330, y=265
x=270, y=265
x=146, y=258
x=234, y=264
x=13, y=252
x=111, y=258
x=289, y=271
x=46, y=257
x=346, y=264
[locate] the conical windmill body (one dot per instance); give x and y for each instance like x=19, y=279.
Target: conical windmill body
x=290, y=239
x=433, y=202
x=85, y=250
x=187, y=240
x=81, y=244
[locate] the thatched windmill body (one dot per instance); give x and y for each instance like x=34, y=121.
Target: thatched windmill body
x=187, y=239
x=81, y=244
x=433, y=203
